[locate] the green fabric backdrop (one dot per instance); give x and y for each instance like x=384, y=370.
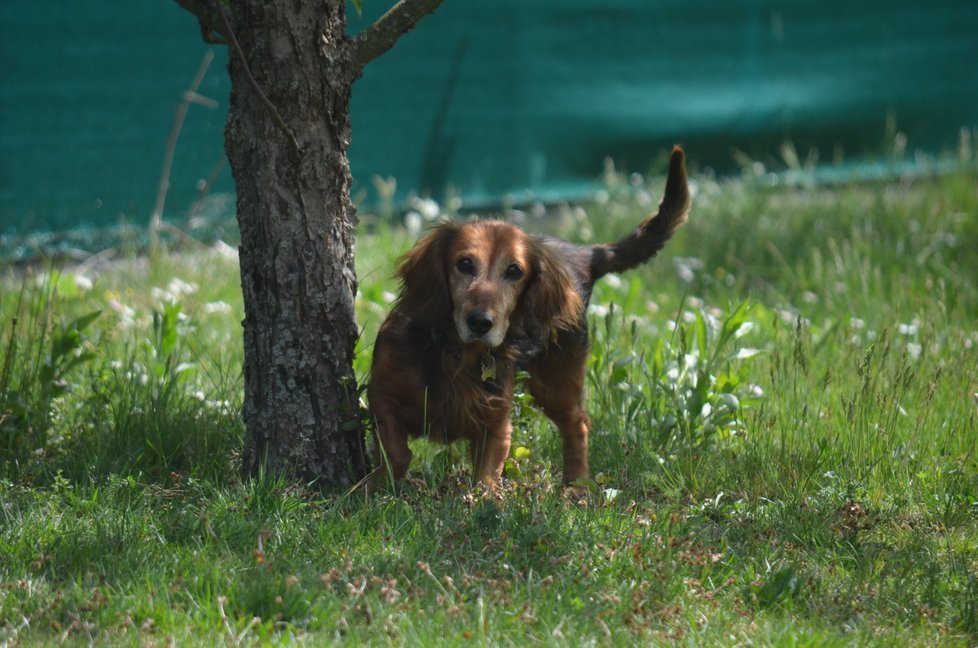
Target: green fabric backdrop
x=497, y=100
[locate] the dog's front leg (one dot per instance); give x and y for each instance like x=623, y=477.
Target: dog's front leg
x=392, y=456
x=489, y=453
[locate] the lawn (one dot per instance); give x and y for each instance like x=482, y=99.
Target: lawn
x=785, y=408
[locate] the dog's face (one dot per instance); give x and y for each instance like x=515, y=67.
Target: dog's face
x=489, y=266
x=480, y=278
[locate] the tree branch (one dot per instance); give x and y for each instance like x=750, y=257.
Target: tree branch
x=383, y=34
x=189, y=96
x=276, y=117
x=211, y=28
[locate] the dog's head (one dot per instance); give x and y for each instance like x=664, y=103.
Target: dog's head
x=482, y=278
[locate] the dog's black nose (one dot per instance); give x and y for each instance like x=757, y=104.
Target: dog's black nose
x=479, y=322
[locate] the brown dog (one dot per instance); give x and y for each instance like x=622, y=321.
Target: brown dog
x=479, y=301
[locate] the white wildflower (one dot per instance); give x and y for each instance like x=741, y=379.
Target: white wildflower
x=913, y=350
x=412, y=222
x=427, y=207
x=643, y=323
x=744, y=329
x=787, y=316
x=83, y=283
x=127, y=316
x=686, y=267
x=224, y=250
x=909, y=329
x=217, y=307
x=178, y=287
x=162, y=296
x=221, y=405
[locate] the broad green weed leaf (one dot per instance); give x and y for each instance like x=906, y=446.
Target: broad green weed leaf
x=82, y=322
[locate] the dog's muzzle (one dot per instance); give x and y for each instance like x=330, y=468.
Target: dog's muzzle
x=479, y=326
x=479, y=323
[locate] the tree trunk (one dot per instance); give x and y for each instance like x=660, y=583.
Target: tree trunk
x=287, y=136
x=292, y=69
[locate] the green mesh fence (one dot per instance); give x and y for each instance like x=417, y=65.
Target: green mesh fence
x=489, y=101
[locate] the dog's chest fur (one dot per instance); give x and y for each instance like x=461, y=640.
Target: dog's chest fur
x=443, y=389
x=469, y=391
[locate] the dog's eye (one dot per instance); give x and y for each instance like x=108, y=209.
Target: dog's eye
x=513, y=272
x=465, y=266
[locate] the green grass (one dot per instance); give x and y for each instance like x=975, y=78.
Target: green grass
x=784, y=447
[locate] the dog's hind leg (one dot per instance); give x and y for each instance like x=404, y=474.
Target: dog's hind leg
x=557, y=386
x=573, y=425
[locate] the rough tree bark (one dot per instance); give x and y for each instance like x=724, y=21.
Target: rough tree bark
x=292, y=68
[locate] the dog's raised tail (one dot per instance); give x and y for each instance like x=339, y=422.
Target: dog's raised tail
x=649, y=237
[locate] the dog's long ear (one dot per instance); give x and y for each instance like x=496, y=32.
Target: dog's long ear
x=424, y=279
x=551, y=300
